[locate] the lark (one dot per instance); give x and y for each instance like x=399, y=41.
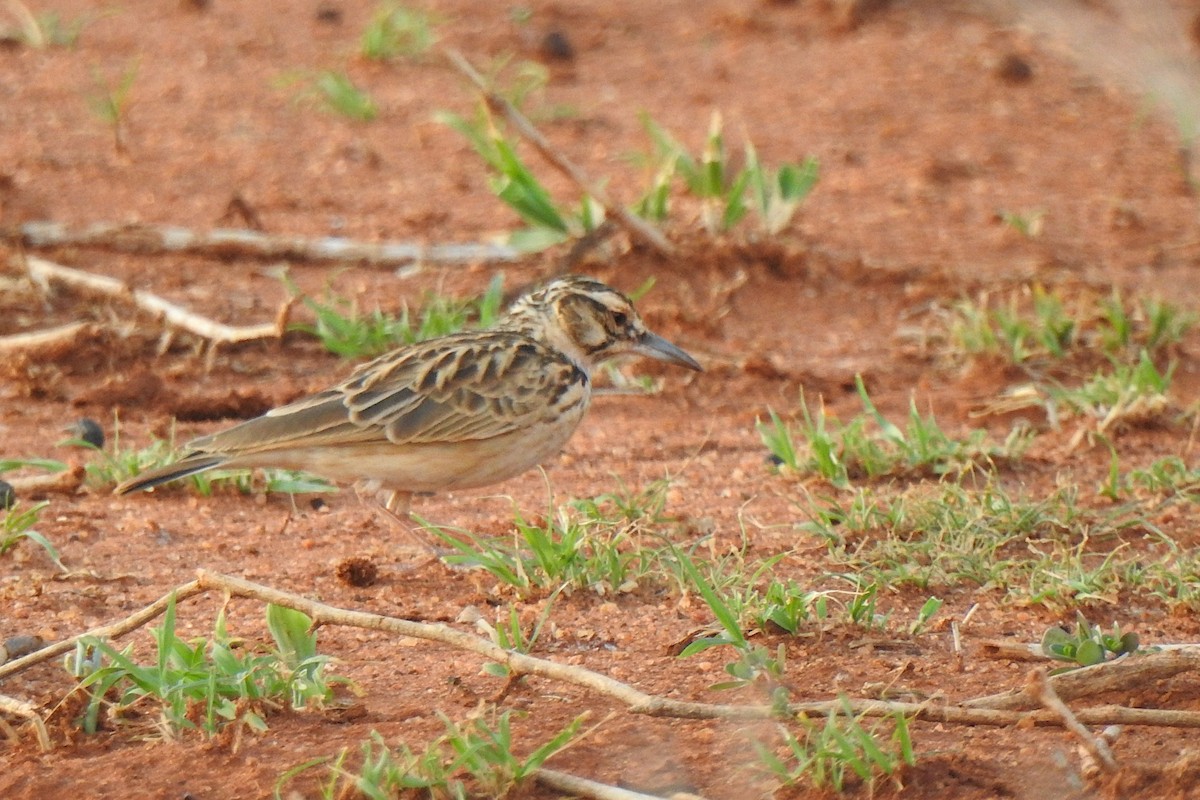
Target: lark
x=457, y=412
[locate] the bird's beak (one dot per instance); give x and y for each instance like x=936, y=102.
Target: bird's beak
x=655, y=346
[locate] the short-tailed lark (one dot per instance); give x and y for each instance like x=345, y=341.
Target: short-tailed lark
x=456, y=412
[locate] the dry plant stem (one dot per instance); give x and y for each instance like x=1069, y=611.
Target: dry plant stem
x=651, y=705
x=638, y=702
x=29, y=24
x=1039, y=687
x=582, y=787
x=961, y=715
x=66, y=482
x=234, y=242
x=322, y=614
x=19, y=708
x=110, y=631
x=639, y=228
x=57, y=338
x=1100, y=678
x=43, y=272
x=1011, y=650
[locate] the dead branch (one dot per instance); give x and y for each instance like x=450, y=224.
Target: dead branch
x=59, y=338
x=651, y=705
x=1012, y=650
x=1038, y=687
x=66, y=482
x=962, y=715
x=232, y=242
x=27, y=711
x=582, y=787
x=638, y=227
x=1099, y=678
x=638, y=702
x=43, y=272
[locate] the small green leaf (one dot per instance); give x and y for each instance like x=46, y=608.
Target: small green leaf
x=1089, y=652
x=1055, y=641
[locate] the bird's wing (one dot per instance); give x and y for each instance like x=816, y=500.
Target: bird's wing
x=460, y=387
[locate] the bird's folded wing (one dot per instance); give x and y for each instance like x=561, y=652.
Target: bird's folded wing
x=458, y=388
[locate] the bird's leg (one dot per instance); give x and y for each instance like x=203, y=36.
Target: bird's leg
x=397, y=508
x=399, y=504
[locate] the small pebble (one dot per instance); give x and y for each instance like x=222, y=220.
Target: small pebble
x=88, y=430
x=8, y=496
x=329, y=14
x=16, y=646
x=555, y=46
x=1014, y=69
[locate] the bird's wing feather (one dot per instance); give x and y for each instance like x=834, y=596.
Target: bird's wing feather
x=461, y=387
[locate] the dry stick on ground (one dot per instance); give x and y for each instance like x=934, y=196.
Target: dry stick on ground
x=227, y=242
x=43, y=272
x=61, y=338
x=28, y=711
x=1099, y=678
x=320, y=614
x=66, y=482
x=1038, y=686
x=582, y=787
x=638, y=227
x=638, y=702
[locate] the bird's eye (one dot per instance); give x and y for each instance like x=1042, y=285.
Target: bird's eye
x=620, y=318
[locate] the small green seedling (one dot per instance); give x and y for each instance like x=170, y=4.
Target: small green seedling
x=510, y=635
x=476, y=753
x=110, y=101
x=873, y=446
x=840, y=752
x=1088, y=644
x=204, y=684
x=925, y=614
x=548, y=223
x=1126, y=393
x=721, y=189
x=340, y=95
x=350, y=333
x=42, y=30
x=1028, y=223
x=17, y=525
x=396, y=31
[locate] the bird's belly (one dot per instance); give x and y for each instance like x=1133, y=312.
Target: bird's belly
x=427, y=467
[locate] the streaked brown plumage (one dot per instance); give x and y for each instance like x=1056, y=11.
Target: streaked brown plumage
x=460, y=411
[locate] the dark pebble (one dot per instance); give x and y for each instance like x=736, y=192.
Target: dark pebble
x=88, y=430
x=557, y=47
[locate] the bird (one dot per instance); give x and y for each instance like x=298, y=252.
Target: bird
x=460, y=411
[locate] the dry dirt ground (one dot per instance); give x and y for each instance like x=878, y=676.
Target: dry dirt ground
x=930, y=121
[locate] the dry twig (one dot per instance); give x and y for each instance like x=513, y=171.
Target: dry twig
x=631, y=222
x=27, y=711
x=66, y=482
x=1099, y=678
x=43, y=272
x=1038, y=686
x=232, y=242
x=582, y=787
x=638, y=702
x=61, y=337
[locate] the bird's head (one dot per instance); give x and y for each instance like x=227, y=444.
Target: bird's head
x=589, y=322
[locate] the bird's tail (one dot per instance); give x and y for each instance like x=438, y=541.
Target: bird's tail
x=188, y=465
